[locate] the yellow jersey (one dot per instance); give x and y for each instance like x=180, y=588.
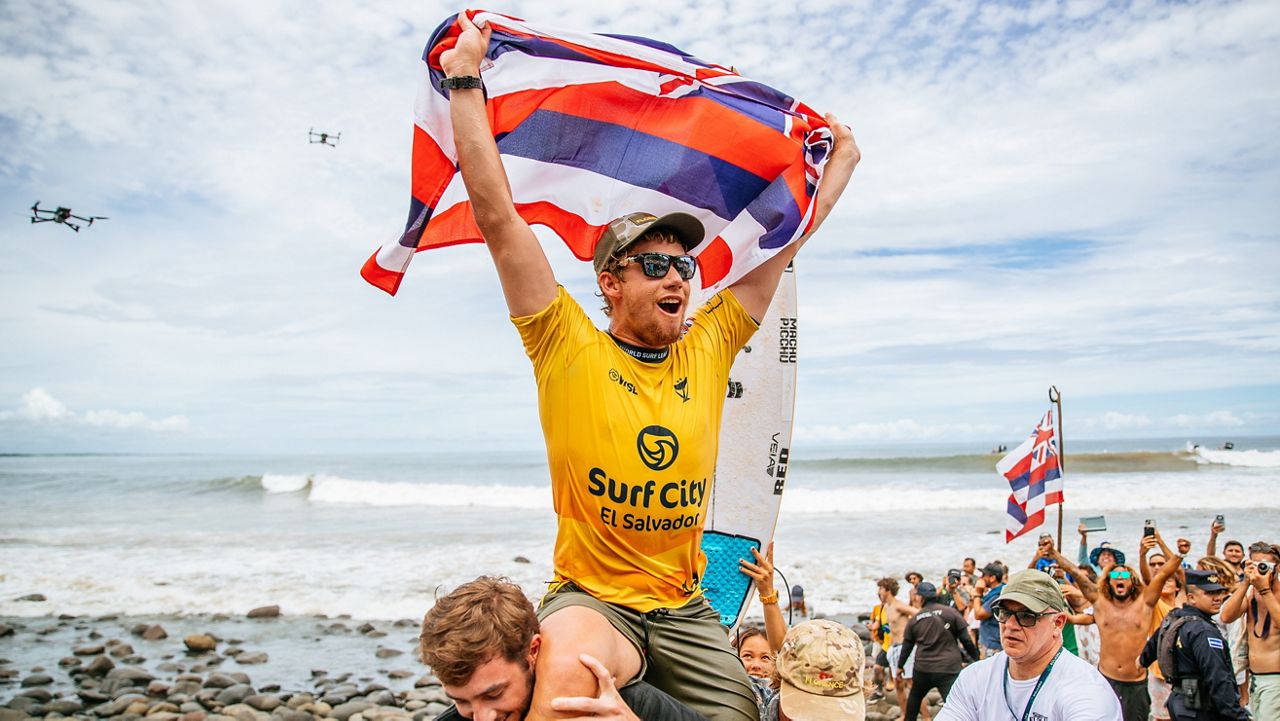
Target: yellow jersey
x=632, y=437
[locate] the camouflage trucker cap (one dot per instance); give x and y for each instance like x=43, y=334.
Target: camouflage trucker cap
x=821, y=665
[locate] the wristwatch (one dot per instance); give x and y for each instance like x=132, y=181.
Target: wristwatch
x=462, y=82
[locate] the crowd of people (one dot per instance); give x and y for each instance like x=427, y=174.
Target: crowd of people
x=1171, y=639
x=1092, y=638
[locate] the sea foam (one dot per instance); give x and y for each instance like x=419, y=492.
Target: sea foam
x=1241, y=459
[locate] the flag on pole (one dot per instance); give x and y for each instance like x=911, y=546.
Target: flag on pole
x=1035, y=478
x=591, y=127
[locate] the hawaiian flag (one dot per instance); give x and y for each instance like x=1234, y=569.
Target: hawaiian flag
x=1035, y=479
x=591, y=127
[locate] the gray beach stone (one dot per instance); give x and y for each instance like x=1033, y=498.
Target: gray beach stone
x=344, y=711
x=155, y=633
x=117, y=707
x=37, y=679
x=69, y=661
x=219, y=680
x=92, y=696
x=9, y=714
x=298, y=700
x=43, y=695
x=185, y=687
x=25, y=704
x=263, y=702
x=265, y=612
x=64, y=706
x=99, y=666
x=399, y=673
x=234, y=694
x=126, y=676
x=157, y=688
x=90, y=650
x=381, y=698
x=5, y=630
x=120, y=650
x=163, y=707
x=32, y=598
x=384, y=652
x=290, y=714
x=252, y=658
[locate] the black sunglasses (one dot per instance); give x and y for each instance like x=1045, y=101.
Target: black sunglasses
x=1026, y=619
x=656, y=265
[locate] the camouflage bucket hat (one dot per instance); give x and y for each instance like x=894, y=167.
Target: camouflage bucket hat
x=821, y=664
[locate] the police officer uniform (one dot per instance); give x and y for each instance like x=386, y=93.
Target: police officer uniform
x=1204, y=683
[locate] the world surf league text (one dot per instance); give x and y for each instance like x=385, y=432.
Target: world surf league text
x=672, y=495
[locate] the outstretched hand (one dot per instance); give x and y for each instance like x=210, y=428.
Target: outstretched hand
x=761, y=571
x=606, y=704
x=465, y=56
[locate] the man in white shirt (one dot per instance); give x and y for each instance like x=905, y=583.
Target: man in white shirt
x=1032, y=679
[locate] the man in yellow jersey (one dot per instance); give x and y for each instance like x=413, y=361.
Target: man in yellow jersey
x=631, y=419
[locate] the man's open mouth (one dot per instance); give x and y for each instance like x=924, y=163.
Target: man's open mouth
x=670, y=306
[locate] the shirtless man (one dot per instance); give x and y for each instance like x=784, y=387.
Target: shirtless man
x=897, y=613
x=1123, y=609
x=1258, y=598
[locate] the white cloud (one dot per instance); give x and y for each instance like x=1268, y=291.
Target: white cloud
x=38, y=407
x=1216, y=419
x=904, y=429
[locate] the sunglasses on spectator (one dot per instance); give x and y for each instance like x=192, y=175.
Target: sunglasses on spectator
x=656, y=265
x=1026, y=619
x=1120, y=574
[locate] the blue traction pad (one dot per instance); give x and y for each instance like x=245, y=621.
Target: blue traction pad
x=725, y=586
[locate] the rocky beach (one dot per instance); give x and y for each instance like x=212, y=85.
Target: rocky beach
x=216, y=668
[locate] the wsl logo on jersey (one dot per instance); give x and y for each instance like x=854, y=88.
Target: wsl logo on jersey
x=658, y=447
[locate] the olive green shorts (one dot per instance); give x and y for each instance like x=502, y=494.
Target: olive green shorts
x=684, y=651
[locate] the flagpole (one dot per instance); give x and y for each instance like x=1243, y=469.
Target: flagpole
x=1055, y=398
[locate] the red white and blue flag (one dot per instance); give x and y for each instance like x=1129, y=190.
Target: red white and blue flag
x=1035, y=478
x=591, y=127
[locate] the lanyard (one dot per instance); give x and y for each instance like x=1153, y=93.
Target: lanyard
x=1034, y=692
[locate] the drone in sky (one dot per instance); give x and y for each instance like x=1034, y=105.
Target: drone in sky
x=330, y=139
x=61, y=215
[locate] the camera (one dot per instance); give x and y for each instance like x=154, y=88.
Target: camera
x=1149, y=529
x=1263, y=567
x=1046, y=536
x=954, y=574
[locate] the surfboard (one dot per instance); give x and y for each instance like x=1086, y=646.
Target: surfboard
x=755, y=443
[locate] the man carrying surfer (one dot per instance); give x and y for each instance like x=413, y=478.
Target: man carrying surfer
x=631, y=419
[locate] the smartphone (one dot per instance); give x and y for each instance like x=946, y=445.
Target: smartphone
x=1094, y=523
x=1149, y=528
x=1044, y=536
x=1220, y=521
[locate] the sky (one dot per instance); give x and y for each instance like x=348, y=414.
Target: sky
x=1080, y=194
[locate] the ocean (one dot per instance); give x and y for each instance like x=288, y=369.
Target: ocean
x=376, y=536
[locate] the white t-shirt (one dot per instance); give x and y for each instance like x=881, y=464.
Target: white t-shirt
x=1073, y=691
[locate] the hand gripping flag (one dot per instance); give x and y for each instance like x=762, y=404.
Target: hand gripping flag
x=1034, y=477
x=591, y=127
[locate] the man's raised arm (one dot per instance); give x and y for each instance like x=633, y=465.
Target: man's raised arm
x=527, y=281
x=755, y=289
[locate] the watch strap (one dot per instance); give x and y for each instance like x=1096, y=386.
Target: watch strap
x=462, y=82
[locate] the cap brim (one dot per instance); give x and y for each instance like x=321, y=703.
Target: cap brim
x=1212, y=587
x=1030, y=602
x=687, y=228
x=801, y=706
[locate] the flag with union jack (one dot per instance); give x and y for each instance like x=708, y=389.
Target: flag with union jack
x=591, y=127
x=1035, y=478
